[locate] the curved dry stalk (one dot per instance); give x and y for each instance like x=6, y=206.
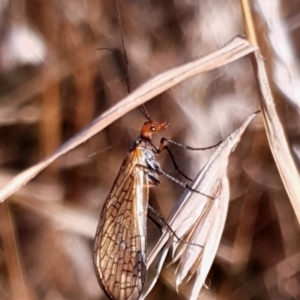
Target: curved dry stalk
x=236, y=49
x=277, y=139
x=274, y=129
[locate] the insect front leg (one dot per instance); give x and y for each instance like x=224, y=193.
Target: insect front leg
x=163, y=140
x=163, y=147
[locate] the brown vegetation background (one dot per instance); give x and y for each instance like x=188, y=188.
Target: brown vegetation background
x=54, y=81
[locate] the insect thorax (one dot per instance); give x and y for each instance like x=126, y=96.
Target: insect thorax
x=149, y=152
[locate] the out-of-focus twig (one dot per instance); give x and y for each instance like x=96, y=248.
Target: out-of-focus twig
x=18, y=288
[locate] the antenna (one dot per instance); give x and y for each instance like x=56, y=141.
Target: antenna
x=142, y=108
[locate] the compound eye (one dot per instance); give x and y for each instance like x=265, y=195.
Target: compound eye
x=153, y=128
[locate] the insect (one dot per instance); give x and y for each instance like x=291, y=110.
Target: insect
x=120, y=242
x=120, y=245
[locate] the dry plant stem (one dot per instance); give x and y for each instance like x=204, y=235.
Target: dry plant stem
x=17, y=286
x=51, y=118
x=276, y=137
x=84, y=79
x=249, y=22
x=274, y=129
x=236, y=49
x=50, y=135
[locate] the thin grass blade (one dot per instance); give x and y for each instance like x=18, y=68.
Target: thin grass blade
x=234, y=50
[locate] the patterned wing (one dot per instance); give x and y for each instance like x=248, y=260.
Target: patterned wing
x=120, y=244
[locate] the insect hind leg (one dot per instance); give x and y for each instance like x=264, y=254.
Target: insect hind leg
x=165, y=223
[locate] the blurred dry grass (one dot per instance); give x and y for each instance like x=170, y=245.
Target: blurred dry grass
x=53, y=82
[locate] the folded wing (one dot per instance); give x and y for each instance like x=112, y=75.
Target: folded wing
x=120, y=245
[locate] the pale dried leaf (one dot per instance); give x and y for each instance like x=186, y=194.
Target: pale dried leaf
x=212, y=180
x=192, y=256
x=213, y=241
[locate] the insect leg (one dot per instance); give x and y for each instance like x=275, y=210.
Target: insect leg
x=163, y=220
x=182, y=184
x=175, y=164
x=163, y=147
x=163, y=140
x=154, y=221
